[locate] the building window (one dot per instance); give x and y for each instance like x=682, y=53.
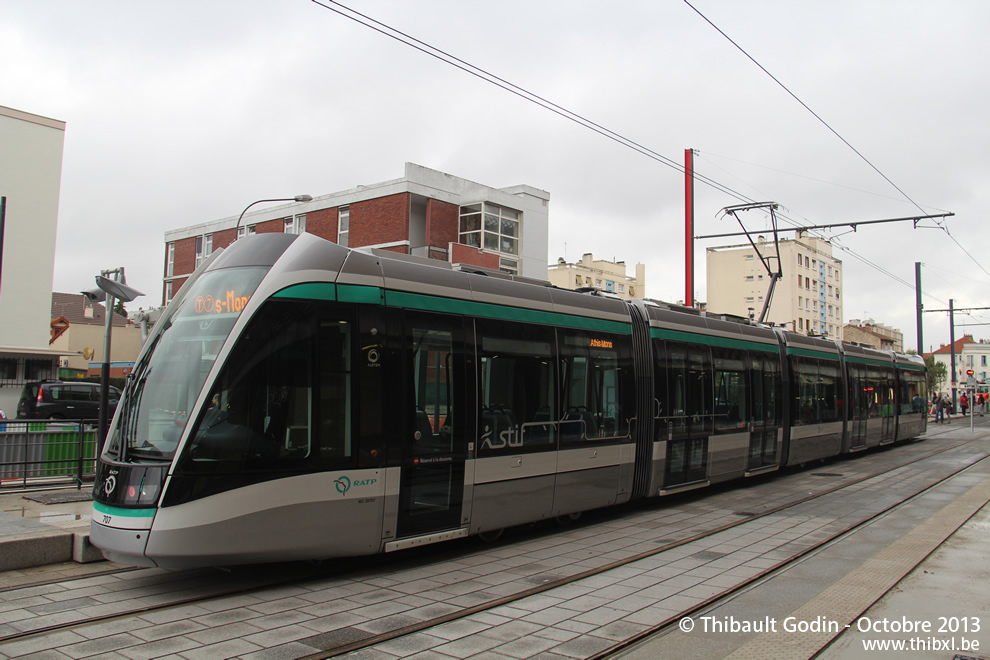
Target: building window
x=250, y=230
x=622, y=288
x=510, y=266
x=983, y=360
x=800, y=260
x=38, y=370
x=489, y=226
x=295, y=224
x=807, y=262
x=749, y=278
x=168, y=291
x=170, y=268
x=800, y=302
x=8, y=370
x=344, y=226
x=204, y=248
x=577, y=280
x=836, y=293
x=610, y=286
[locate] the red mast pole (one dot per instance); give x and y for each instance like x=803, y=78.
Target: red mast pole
x=689, y=227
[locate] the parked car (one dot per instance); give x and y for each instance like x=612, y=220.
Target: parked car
x=55, y=399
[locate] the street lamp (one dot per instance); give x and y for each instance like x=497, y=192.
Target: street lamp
x=110, y=289
x=297, y=198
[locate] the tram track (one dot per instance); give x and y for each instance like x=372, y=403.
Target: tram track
x=671, y=623
x=435, y=622
x=175, y=596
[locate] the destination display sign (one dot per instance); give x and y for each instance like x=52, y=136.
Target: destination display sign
x=228, y=302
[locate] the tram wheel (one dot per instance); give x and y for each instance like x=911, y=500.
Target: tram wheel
x=568, y=518
x=491, y=535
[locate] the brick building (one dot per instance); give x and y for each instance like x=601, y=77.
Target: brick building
x=426, y=213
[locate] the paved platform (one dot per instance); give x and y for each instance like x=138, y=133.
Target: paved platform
x=910, y=584
x=45, y=527
x=852, y=577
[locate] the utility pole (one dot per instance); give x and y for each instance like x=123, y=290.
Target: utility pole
x=921, y=307
x=689, y=227
x=952, y=352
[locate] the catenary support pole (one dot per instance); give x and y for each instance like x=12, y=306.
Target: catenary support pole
x=689, y=227
x=921, y=307
x=952, y=353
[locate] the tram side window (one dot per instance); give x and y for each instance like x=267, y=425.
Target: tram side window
x=860, y=391
x=596, y=386
x=829, y=391
x=817, y=395
x=913, y=393
x=689, y=382
x=262, y=415
x=765, y=374
x=433, y=376
x=731, y=379
x=878, y=389
x=517, y=388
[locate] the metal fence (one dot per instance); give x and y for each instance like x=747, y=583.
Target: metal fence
x=37, y=453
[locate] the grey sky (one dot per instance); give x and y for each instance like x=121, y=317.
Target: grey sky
x=183, y=112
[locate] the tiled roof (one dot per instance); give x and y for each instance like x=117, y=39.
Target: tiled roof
x=72, y=307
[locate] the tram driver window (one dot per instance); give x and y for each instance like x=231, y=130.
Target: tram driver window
x=283, y=401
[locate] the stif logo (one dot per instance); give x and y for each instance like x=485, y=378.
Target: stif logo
x=343, y=485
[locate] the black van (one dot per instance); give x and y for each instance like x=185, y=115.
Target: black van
x=55, y=399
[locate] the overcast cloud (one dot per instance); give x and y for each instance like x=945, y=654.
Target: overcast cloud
x=183, y=112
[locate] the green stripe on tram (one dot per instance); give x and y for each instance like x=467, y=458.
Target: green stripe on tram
x=804, y=352
x=309, y=291
x=855, y=359
x=126, y=513
x=710, y=340
x=487, y=310
x=373, y=295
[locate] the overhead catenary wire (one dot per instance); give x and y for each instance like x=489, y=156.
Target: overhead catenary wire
x=467, y=67
x=942, y=224
x=437, y=53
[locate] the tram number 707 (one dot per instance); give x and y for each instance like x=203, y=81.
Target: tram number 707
x=106, y=519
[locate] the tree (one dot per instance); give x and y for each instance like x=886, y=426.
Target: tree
x=937, y=374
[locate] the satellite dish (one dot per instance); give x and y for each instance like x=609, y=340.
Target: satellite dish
x=87, y=353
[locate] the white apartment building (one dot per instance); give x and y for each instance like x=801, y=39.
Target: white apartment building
x=806, y=299
x=609, y=276
x=30, y=179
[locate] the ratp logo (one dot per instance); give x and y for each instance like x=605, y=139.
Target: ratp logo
x=343, y=484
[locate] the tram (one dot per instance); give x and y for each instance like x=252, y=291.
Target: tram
x=299, y=400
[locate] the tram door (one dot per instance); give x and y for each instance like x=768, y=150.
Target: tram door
x=432, y=485
x=766, y=386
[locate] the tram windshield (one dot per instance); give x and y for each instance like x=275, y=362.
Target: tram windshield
x=168, y=380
